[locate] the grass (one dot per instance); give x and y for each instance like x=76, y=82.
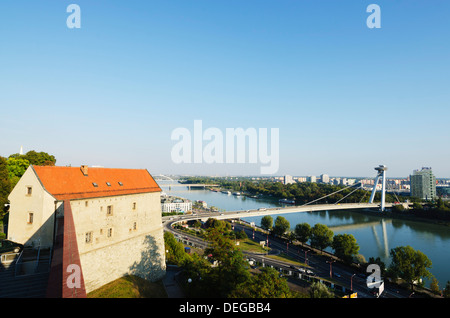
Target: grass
x=284, y=257
x=130, y=287
x=251, y=246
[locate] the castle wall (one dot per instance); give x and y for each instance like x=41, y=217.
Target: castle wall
x=119, y=235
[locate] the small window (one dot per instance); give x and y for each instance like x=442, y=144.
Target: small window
x=30, y=217
x=89, y=237
x=86, y=203
x=109, y=232
x=29, y=190
x=95, y=184
x=134, y=205
x=134, y=226
x=108, y=184
x=120, y=183
x=109, y=210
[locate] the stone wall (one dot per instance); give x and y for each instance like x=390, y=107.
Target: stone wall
x=119, y=235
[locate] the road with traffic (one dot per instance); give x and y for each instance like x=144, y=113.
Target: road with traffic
x=324, y=266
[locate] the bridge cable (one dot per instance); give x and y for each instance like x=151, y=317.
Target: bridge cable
x=349, y=194
x=330, y=194
x=393, y=191
x=365, y=192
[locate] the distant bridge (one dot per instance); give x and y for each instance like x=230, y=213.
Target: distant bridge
x=191, y=185
x=262, y=211
x=294, y=209
x=160, y=177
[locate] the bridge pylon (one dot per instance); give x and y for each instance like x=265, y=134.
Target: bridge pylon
x=381, y=174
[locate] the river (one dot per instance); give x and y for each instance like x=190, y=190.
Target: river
x=375, y=235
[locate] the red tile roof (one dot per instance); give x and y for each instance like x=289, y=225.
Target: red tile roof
x=68, y=183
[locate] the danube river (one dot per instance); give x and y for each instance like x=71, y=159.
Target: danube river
x=375, y=235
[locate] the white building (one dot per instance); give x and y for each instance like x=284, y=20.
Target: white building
x=116, y=217
x=288, y=179
x=176, y=205
x=325, y=178
x=311, y=179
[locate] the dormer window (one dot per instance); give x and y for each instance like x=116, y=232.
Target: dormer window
x=120, y=183
x=108, y=184
x=95, y=184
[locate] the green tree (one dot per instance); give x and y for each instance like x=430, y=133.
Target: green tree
x=16, y=169
x=175, y=253
x=215, y=223
x=434, y=286
x=266, y=284
x=321, y=236
x=231, y=265
x=241, y=235
x=319, y=290
x=446, y=292
x=345, y=247
x=303, y=232
x=281, y=226
x=197, y=272
x=417, y=206
x=37, y=158
x=267, y=222
x=409, y=264
x=5, y=185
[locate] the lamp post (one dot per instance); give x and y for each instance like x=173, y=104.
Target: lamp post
x=331, y=262
x=351, y=282
x=306, y=259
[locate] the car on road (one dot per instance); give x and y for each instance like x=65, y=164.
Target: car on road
x=7, y=246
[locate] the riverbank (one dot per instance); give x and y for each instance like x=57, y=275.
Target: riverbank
x=353, y=267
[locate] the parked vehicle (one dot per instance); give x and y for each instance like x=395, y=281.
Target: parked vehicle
x=7, y=246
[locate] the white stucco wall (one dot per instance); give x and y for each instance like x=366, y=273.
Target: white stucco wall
x=130, y=241
x=40, y=203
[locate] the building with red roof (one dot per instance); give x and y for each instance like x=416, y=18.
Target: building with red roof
x=100, y=224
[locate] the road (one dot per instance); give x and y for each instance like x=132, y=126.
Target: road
x=341, y=274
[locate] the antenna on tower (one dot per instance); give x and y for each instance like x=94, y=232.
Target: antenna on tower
x=381, y=174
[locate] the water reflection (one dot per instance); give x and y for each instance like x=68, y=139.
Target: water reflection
x=376, y=236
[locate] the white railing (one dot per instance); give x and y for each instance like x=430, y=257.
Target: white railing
x=8, y=258
x=31, y=267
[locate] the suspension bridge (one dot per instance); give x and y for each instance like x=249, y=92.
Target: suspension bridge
x=314, y=205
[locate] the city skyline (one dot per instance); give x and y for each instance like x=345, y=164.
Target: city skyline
x=345, y=98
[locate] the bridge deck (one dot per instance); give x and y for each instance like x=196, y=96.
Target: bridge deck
x=294, y=209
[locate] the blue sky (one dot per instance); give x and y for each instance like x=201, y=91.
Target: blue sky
x=344, y=97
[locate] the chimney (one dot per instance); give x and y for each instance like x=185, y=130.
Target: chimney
x=84, y=170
